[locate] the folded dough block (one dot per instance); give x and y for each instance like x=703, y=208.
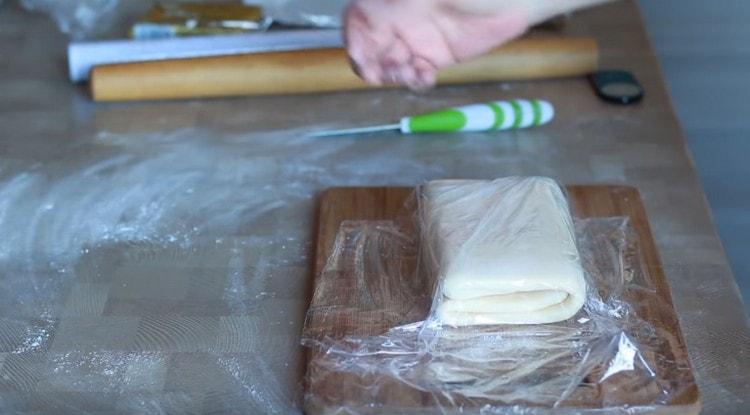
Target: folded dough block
x=505, y=251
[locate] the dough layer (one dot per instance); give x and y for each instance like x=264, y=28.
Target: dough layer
x=505, y=251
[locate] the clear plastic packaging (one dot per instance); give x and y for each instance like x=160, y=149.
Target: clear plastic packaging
x=78, y=18
x=375, y=346
x=93, y=19
x=504, y=251
x=313, y=13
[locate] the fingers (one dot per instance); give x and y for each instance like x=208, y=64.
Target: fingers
x=359, y=40
x=397, y=64
x=418, y=74
x=379, y=53
x=426, y=74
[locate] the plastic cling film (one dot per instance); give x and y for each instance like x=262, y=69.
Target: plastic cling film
x=90, y=19
x=81, y=18
x=315, y=13
x=382, y=293
x=374, y=348
x=504, y=251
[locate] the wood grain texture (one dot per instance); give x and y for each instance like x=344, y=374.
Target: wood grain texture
x=383, y=203
x=324, y=70
x=711, y=109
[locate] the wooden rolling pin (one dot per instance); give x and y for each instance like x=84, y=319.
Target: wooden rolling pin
x=325, y=70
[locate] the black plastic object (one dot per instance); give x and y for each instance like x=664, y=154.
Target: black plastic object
x=619, y=87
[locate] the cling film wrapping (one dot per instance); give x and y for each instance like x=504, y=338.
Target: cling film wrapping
x=378, y=343
x=504, y=251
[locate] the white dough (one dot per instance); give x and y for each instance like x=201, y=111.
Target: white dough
x=505, y=251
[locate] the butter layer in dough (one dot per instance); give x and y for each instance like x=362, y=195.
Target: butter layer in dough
x=505, y=251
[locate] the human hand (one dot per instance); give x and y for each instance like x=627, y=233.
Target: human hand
x=408, y=41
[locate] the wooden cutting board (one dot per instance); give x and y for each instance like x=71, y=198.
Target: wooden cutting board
x=383, y=203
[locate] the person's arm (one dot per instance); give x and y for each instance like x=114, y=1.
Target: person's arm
x=407, y=41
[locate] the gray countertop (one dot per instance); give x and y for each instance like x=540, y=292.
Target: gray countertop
x=156, y=256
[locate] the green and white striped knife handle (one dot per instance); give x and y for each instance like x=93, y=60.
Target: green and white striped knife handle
x=492, y=116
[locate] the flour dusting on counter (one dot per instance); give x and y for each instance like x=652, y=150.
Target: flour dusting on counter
x=183, y=254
